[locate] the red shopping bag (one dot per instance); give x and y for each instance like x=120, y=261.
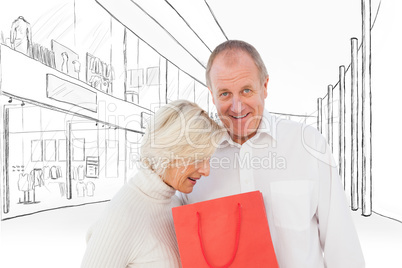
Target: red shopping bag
x=230, y=231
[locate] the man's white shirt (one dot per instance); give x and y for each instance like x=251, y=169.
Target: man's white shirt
x=292, y=165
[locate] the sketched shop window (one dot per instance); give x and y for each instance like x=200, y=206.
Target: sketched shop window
x=78, y=149
x=135, y=78
x=50, y=150
x=153, y=76
x=62, y=150
x=36, y=150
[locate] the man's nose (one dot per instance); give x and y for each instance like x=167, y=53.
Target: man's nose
x=237, y=105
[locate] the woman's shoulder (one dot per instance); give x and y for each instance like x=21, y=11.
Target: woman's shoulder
x=120, y=222
x=128, y=201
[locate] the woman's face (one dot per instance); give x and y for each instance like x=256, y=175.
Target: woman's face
x=183, y=178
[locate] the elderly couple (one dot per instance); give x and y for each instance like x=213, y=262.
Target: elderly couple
x=308, y=215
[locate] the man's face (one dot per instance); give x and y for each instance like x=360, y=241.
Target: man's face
x=238, y=94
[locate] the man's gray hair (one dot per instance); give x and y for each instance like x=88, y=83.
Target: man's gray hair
x=233, y=45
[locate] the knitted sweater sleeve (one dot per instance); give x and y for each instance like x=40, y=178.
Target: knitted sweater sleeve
x=116, y=239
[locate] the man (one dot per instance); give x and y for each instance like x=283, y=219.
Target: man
x=290, y=163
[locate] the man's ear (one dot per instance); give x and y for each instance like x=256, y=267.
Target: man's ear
x=212, y=95
x=266, y=87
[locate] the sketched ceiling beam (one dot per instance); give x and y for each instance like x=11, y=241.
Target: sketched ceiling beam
x=159, y=26
x=216, y=20
x=164, y=16
x=198, y=15
x=189, y=26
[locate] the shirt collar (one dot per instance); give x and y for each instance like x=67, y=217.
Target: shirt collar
x=267, y=126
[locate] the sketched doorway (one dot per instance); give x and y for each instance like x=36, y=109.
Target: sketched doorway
x=34, y=172
x=95, y=160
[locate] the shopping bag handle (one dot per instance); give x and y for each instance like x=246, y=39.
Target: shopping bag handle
x=236, y=243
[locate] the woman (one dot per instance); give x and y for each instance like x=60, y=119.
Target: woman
x=137, y=228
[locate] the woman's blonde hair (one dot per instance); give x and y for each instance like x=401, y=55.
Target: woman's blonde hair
x=180, y=133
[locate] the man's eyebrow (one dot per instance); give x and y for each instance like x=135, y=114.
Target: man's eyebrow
x=221, y=90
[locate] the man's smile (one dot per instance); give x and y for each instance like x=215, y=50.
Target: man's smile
x=240, y=116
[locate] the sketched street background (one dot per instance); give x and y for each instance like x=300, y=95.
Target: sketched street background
x=303, y=44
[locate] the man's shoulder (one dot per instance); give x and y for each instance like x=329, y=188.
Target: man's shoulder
x=294, y=127
x=290, y=131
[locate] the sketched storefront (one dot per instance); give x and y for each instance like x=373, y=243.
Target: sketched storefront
x=75, y=99
x=64, y=143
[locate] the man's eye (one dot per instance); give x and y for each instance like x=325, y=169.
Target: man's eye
x=224, y=94
x=246, y=90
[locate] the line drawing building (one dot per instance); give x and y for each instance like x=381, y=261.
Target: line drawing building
x=80, y=80
x=107, y=74
x=90, y=84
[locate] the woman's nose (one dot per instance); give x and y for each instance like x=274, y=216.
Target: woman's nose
x=204, y=168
